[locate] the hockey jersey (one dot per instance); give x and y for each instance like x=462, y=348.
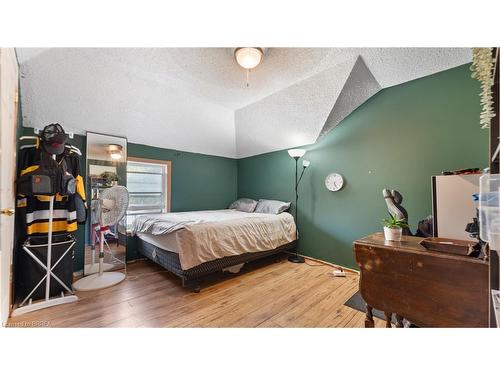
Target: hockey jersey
x=34, y=210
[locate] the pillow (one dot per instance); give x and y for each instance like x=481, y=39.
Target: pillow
x=244, y=204
x=266, y=206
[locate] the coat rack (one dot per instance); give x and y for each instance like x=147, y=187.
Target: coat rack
x=48, y=267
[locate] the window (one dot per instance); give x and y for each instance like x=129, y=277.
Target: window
x=148, y=183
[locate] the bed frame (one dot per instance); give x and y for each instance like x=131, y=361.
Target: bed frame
x=190, y=278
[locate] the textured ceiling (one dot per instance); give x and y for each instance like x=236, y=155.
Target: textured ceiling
x=196, y=99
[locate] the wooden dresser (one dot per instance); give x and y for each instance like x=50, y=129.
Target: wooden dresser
x=429, y=288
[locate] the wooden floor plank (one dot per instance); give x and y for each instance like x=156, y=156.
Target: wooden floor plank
x=258, y=297
x=296, y=315
x=267, y=293
x=269, y=323
x=210, y=301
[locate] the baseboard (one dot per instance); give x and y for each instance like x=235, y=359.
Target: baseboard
x=327, y=263
x=289, y=252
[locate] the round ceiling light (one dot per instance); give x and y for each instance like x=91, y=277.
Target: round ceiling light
x=248, y=57
x=115, y=151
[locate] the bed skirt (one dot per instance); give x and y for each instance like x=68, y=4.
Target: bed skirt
x=170, y=261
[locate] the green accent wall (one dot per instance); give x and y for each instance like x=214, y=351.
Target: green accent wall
x=397, y=139
x=199, y=182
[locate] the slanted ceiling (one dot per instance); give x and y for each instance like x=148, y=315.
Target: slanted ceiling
x=196, y=99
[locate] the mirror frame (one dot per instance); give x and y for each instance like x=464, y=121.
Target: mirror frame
x=88, y=227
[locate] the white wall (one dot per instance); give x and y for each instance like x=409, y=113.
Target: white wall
x=8, y=122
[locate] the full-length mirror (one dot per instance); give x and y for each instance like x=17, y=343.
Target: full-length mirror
x=105, y=234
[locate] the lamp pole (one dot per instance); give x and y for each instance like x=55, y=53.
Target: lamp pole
x=296, y=258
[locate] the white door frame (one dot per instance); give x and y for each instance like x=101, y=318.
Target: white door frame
x=9, y=78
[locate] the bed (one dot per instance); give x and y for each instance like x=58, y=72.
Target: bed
x=194, y=244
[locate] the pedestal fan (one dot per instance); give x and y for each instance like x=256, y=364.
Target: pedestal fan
x=111, y=208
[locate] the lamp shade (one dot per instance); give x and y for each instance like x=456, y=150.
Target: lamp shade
x=306, y=163
x=296, y=152
x=248, y=57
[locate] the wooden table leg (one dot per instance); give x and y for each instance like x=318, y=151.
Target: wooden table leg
x=399, y=321
x=388, y=318
x=369, y=323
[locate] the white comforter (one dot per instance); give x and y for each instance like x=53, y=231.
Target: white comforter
x=203, y=236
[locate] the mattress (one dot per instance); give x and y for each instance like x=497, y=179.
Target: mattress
x=203, y=236
x=166, y=242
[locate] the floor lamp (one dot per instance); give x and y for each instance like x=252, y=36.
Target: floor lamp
x=297, y=153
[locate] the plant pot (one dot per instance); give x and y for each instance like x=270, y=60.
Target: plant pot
x=393, y=234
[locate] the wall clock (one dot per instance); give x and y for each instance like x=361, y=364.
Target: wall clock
x=334, y=182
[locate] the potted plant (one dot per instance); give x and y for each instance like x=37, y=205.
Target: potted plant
x=110, y=178
x=393, y=228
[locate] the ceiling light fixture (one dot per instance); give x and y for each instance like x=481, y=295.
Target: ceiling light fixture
x=248, y=57
x=115, y=151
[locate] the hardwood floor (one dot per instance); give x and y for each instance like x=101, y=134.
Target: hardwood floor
x=266, y=293
x=114, y=254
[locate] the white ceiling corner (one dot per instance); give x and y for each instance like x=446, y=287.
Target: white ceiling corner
x=291, y=117
x=359, y=87
x=195, y=99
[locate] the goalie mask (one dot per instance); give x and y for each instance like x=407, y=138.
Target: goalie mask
x=54, y=139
